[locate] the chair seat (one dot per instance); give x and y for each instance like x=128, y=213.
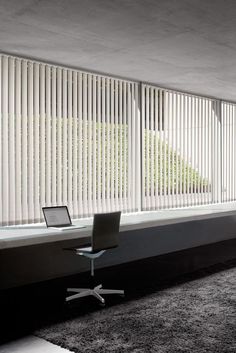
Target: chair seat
x=88, y=252
x=87, y=249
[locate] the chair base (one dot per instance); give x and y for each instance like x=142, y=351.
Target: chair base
x=95, y=292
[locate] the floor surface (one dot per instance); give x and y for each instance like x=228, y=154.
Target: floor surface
x=27, y=309
x=31, y=344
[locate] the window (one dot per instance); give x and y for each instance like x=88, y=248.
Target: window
x=67, y=138
x=99, y=144
x=179, y=149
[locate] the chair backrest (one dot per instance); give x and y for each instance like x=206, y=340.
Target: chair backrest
x=105, y=230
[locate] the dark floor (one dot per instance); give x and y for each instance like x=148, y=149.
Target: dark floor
x=30, y=307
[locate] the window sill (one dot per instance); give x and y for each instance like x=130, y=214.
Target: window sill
x=17, y=236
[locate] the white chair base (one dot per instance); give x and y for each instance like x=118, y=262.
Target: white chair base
x=95, y=292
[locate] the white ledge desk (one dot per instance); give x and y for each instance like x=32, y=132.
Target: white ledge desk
x=26, y=235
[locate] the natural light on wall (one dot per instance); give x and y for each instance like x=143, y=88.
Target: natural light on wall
x=99, y=144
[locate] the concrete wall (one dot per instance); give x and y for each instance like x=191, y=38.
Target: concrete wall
x=31, y=264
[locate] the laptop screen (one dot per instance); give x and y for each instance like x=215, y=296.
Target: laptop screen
x=56, y=216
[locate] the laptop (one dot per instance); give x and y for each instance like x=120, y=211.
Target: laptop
x=58, y=217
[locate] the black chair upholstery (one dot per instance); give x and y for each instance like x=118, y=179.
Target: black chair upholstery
x=105, y=231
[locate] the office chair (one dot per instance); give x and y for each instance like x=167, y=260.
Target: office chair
x=104, y=236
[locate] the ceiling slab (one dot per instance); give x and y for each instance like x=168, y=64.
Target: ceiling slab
x=186, y=45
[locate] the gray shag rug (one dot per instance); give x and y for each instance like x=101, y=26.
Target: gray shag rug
x=198, y=316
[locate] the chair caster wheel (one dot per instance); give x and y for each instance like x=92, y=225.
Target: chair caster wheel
x=102, y=304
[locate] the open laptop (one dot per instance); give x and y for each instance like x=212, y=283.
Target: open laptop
x=58, y=217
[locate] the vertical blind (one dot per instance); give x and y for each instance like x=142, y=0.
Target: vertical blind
x=99, y=144
x=228, y=151
x=67, y=137
x=180, y=149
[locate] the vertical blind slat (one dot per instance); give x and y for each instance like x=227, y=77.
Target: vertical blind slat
x=94, y=135
x=48, y=136
x=80, y=150
x=99, y=202
x=18, y=141
x=30, y=178
x=126, y=121
x=85, y=143
x=116, y=166
x=24, y=141
x=156, y=102
x=90, y=206
x=120, y=141
x=36, y=144
x=133, y=143
x=112, y=146
x=54, y=137
x=106, y=179
x=64, y=136
x=42, y=135
x=69, y=143
x=136, y=132
x=5, y=156
x=59, y=137
x=103, y=145
x=75, y=145
x=12, y=171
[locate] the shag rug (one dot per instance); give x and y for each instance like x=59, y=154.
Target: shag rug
x=198, y=316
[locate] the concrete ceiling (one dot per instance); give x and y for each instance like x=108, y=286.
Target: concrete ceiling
x=189, y=45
